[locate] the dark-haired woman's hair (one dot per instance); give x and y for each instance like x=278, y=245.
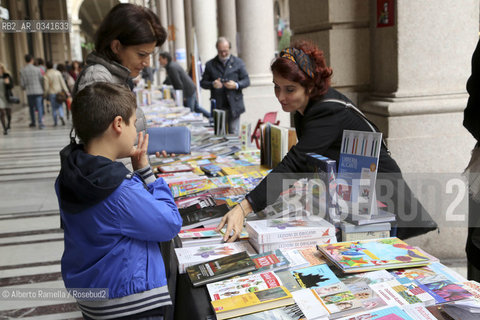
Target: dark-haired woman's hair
x=289, y=70
x=131, y=25
x=61, y=67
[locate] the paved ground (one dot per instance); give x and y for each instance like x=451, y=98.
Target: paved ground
x=31, y=242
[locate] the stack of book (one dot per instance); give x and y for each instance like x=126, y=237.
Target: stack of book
x=272, y=234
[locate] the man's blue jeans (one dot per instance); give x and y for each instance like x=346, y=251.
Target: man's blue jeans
x=192, y=104
x=35, y=102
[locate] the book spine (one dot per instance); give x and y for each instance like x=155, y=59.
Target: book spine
x=299, y=235
x=261, y=248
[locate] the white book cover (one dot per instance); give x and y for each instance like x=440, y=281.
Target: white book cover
x=241, y=285
x=279, y=230
x=200, y=254
x=300, y=244
x=311, y=306
x=419, y=313
x=396, y=294
x=296, y=259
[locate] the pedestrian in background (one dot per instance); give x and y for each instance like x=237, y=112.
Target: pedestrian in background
x=6, y=85
x=226, y=76
x=31, y=80
x=56, y=91
x=180, y=80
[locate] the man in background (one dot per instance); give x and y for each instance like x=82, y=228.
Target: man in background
x=31, y=80
x=226, y=76
x=180, y=80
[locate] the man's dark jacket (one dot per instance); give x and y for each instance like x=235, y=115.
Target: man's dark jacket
x=180, y=79
x=234, y=69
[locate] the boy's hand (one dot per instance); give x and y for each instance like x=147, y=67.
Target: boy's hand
x=139, y=155
x=164, y=154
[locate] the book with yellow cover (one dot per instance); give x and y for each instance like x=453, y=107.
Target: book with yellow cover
x=252, y=302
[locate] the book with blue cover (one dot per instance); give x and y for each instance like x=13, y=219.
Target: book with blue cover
x=357, y=172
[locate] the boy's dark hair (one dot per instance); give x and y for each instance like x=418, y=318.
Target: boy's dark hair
x=28, y=58
x=49, y=64
x=131, y=25
x=166, y=55
x=96, y=106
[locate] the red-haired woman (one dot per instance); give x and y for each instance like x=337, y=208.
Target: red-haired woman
x=301, y=81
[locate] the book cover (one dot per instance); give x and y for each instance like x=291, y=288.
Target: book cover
x=291, y=312
x=365, y=235
x=357, y=171
x=270, y=261
x=289, y=245
x=252, y=302
x=278, y=230
x=396, y=294
x=391, y=313
x=182, y=167
x=195, y=255
x=324, y=189
x=313, y=256
x=379, y=216
x=367, y=255
x=310, y=304
x=241, y=285
x=419, y=313
x=220, y=268
x=196, y=218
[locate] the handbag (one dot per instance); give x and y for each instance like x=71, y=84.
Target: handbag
x=13, y=99
x=171, y=139
x=61, y=97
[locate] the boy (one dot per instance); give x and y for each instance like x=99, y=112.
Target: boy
x=112, y=218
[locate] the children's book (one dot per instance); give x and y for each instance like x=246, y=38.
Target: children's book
x=279, y=230
x=291, y=312
x=375, y=254
x=220, y=268
x=310, y=304
x=357, y=172
x=252, y=302
x=194, y=255
x=419, y=312
x=391, y=313
x=313, y=256
x=335, y=296
x=270, y=261
x=241, y=285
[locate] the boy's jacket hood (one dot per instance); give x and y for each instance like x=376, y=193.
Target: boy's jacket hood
x=85, y=180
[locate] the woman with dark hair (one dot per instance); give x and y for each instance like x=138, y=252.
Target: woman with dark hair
x=301, y=81
x=124, y=42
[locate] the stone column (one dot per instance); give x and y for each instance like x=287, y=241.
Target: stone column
x=418, y=82
x=188, y=28
x=256, y=34
x=75, y=42
x=180, y=54
x=205, y=24
x=227, y=22
x=256, y=47
x=162, y=14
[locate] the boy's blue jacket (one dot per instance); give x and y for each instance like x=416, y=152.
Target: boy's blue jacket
x=113, y=222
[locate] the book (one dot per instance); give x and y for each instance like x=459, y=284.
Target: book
x=399, y=294
x=312, y=255
x=196, y=218
x=357, y=172
x=220, y=122
x=390, y=313
x=241, y=285
x=337, y=299
x=418, y=312
x=291, y=312
x=182, y=167
x=278, y=230
x=220, y=268
x=351, y=232
x=194, y=255
x=379, y=217
x=373, y=254
x=270, y=261
x=252, y=302
x=310, y=304
x=324, y=186
x=288, y=245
